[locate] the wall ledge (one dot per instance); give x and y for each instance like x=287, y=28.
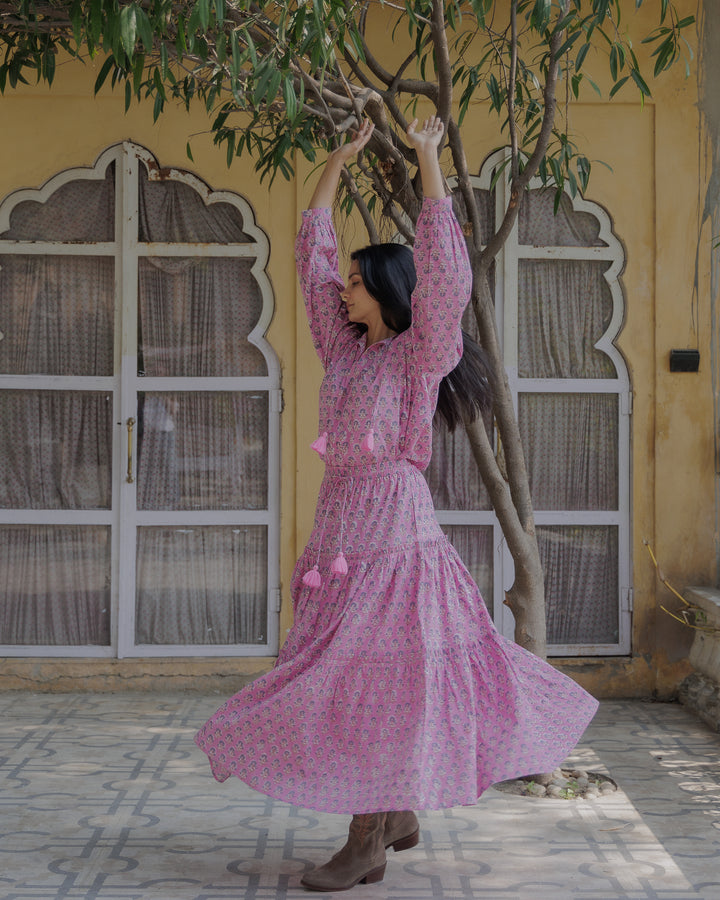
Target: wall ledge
x=701, y=695
x=222, y=675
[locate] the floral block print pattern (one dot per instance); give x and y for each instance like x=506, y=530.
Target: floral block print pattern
x=394, y=689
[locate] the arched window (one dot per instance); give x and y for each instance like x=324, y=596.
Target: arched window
x=559, y=307
x=139, y=464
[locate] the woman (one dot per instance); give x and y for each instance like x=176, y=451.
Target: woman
x=393, y=691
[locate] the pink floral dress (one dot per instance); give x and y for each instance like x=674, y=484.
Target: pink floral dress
x=393, y=689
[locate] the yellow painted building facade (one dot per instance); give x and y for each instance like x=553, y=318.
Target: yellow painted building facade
x=654, y=196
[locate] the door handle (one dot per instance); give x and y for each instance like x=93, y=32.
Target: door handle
x=130, y=422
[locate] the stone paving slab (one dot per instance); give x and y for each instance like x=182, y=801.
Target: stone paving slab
x=106, y=797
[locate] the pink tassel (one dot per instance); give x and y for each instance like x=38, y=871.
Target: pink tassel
x=312, y=578
x=368, y=442
x=319, y=445
x=339, y=566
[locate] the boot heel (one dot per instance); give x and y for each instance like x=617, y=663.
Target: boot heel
x=405, y=843
x=374, y=876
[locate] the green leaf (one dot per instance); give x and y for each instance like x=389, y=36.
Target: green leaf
x=230, y=138
x=614, y=62
x=640, y=82
x=103, y=73
x=290, y=99
x=273, y=86
x=138, y=70
x=164, y=61
x=481, y=9
x=618, y=84
x=188, y=152
x=203, y=7
x=128, y=28
x=580, y=58
x=568, y=44
x=235, y=47
x=144, y=29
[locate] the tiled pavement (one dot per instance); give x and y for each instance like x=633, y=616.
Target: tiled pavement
x=105, y=797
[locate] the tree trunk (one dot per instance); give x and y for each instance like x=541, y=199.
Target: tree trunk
x=526, y=599
x=509, y=487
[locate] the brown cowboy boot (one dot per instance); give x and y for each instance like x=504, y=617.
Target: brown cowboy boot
x=361, y=860
x=402, y=830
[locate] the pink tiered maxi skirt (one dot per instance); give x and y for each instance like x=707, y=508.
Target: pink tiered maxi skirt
x=393, y=690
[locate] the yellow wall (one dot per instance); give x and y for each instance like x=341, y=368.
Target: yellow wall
x=652, y=195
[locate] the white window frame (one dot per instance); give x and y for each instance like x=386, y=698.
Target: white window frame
x=506, y=308
x=124, y=384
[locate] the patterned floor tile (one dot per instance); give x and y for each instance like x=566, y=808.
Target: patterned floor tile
x=106, y=797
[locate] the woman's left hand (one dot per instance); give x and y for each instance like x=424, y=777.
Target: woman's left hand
x=428, y=137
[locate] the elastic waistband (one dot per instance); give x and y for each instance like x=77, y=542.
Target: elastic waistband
x=371, y=470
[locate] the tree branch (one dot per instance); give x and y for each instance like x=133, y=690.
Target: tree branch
x=519, y=184
x=512, y=79
x=443, y=65
x=352, y=189
x=464, y=184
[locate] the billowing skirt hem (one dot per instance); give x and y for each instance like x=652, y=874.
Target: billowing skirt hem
x=395, y=691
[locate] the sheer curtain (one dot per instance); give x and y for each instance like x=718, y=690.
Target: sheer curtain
x=55, y=585
x=199, y=450
x=205, y=585
x=203, y=451
x=581, y=583
x=570, y=438
x=57, y=318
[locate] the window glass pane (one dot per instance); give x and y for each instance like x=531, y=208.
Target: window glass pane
x=581, y=583
x=564, y=308
x=202, y=585
x=56, y=315
x=540, y=226
x=55, y=585
x=173, y=212
x=571, y=448
x=204, y=450
x=82, y=211
x=55, y=449
x=474, y=544
x=195, y=315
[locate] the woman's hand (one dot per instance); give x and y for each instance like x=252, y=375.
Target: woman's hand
x=429, y=137
x=426, y=143
x=327, y=185
x=351, y=148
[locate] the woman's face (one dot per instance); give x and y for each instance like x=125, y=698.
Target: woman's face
x=363, y=309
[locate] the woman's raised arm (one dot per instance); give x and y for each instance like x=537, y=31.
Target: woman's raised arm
x=325, y=190
x=443, y=270
x=317, y=259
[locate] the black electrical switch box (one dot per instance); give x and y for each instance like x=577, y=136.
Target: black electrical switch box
x=684, y=360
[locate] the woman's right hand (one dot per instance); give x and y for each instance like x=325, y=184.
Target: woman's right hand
x=327, y=184
x=351, y=148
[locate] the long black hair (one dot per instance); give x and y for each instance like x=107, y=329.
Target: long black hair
x=388, y=273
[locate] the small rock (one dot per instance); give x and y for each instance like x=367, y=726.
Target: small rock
x=583, y=783
x=591, y=794
x=554, y=790
x=579, y=773
x=544, y=778
x=607, y=787
x=536, y=790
